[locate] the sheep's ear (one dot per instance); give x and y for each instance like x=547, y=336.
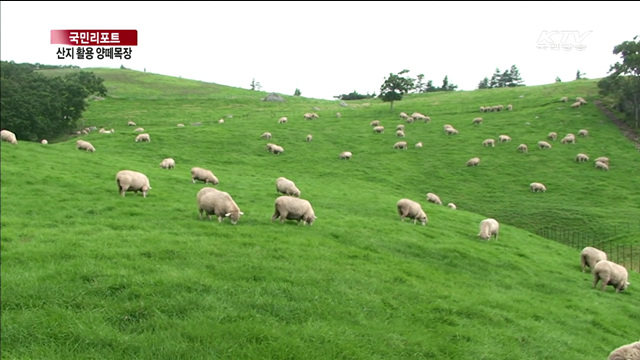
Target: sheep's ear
x=241, y=213
x=227, y=214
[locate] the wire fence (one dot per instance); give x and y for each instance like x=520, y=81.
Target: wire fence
x=627, y=255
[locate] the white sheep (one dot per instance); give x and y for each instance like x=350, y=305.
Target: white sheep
x=44, y=142
x=85, y=145
x=489, y=142
x=220, y=204
x=266, y=135
x=537, y=187
x=576, y=104
x=418, y=116
x=400, y=145
x=452, y=206
x=403, y=116
x=552, y=136
x=412, y=210
x=481, y=108
x=446, y=127
x=581, y=100
x=544, y=145
x=287, y=187
x=582, y=157
x=374, y=123
x=311, y=116
x=282, y=120
x=488, y=228
x=203, y=191
x=603, y=159
x=309, y=138
x=139, y=130
x=180, y=125
x=419, y=144
x=504, y=138
x=451, y=131
x=473, y=161
x=400, y=133
x=131, y=123
x=589, y=256
x=431, y=197
x=583, y=133
x=564, y=99
x=9, y=137
x=168, y=163
x=601, y=165
x=143, y=138
x=626, y=352
x=523, y=148
x=400, y=127
x=509, y=107
x=409, y=120
x=128, y=180
x=568, y=139
x=378, y=129
x=204, y=175
x=477, y=121
x=221, y=121
x=290, y=208
x=338, y=115
x=277, y=149
x=345, y=155
x=611, y=274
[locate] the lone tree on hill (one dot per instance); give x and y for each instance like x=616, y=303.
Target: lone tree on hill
x=394, y=87
x=255, y=86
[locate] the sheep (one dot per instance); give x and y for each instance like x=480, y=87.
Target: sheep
x=309, y=138
x=509, y=107
x=44, y=142
x=499, y=107
x=603, y=159
x=400, y=133
x=310, y=116
x=473, y=161
x=412, y=210
x=266, y=135
x=85, y=145
x=129, y=180
x=290, y=208
x=409, y=120
x=601, y=165
x=488, y=228
x=143, y=138
x=419, y=144
x=544, y=145
x=418, y=116
x=481, y=108
x=131, y=123
x=611, y=274
x=537, y=187
x=9, y=137
x=345, y=155
x=374, y=123
x=282, y=120
x=582, y=157
x=403, y=116
x=400, y=127
x=451, y=131
x=589, y=256
x=270, y=147
x=564, y=99
x=139, y=130
x=431, y=197
x=626, y=352
x=276, y=149
x=218, y=203
x=477, y=121
x=180, y=125
x=568, y=139
x=489, y=142
x=400, y=145
x=552, y=136
x=583, y=133
x=446, y=127
x=523, y=148
x=287, y=187
x=204, y=175
x=581, y=100
x=168, y=163
x=378, y=129
x=221, y=121
x=504, y=138
x=576, y=104
x=452, y=206
x=338, y=115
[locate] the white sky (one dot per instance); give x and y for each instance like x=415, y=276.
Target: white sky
x=332, y=48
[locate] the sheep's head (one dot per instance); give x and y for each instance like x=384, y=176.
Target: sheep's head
x=234, y=216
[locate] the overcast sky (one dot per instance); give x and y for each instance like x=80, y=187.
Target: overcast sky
x=331, y=48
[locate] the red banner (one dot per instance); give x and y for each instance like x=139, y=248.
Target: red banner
x=95, y=37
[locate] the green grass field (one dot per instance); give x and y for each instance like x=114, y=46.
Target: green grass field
x=88, y=274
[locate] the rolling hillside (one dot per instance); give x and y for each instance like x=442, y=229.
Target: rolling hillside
x=89, y=274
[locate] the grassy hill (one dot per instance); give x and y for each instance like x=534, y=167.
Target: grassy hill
x=89, y=274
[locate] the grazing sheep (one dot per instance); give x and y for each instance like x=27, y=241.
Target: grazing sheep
x=378, y=129
x=345, y=155
x=400, y=127
x=473, y=161
x=582, y=157
x=168, y=163
x=481, y=108
x=375, y=123
x=603, y=159
x=138, y=129
x=266, y=135
x=544, y=145
x=447, y=126
x=523, y=148
x=589, y=256
x=400, y=145
x=583, y=133
x=205, y=175
x=290, y=208
x=282, y=120
x=601, y=165
x=131, y=123
x=129, y=180
x=44, y=142
x=576, y=104
x=499, y=108
x=564, y=99
x=418, y=116
x=489, y=228
x=287, y=187
x=400, y=133
x=504, y=138
x=452, y=206
x=537, y=187
x=180, y=125
x=626, y=352
x=403, y=116
x=85, y=145
x=9, y=137
x=311, y=116
x=221, y=121
x=143, y=138
x=581, y=100
x=489, y=142
x=509, y=107
x=220, y=204
x=611, y=274
x=412, y=210
x=552, y=136
x=477, y=121
x=431, y=197
x=270, y=147
x=568, y=139
x=338, y=115
x=309, y=138
x=451, y=131
x=409, y=120
x=277, y=149
x=419, y=144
